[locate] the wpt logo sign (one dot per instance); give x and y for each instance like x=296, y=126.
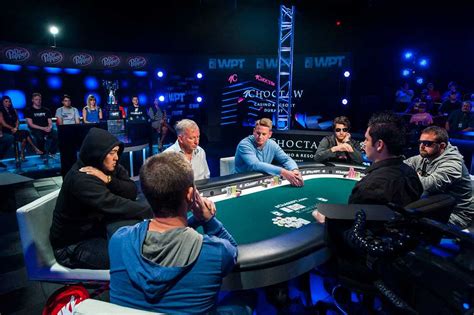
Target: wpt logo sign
x=82, y=59
x=51, y=56
x=176, y=97
x=228, y=63
x=323, y=61
x=267, y=63
x=110, y=61
x=137, y=62
x=17, y=53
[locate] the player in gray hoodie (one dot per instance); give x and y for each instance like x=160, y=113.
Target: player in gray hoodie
x=442, y=171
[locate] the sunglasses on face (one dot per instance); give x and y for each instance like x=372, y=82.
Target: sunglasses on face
x=427, y=143
x=341, y=129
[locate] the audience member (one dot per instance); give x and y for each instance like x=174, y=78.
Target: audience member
x=96, y=198
x=163, y=264
x=403, y=97
x=421, y=117
x=452, y=88
x=92, y=113
x=451, y=104
x=434, y=94
x=339, y=147
x=188, y=144
x=255, y=153
x=461, y=119
x=156, y=116
x=135, y=112
x=67, y=115
x=441, y=169
x=6, y=141
x=10, y=125
x=40, y=122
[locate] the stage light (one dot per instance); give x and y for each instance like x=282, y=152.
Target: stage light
x=8, y=67
x=347, y=74
x=54, y=82
x=406, y=72
x=72, y=71
x=53, y=69
x=54, y=31
x=140, y=73
x=408, y=55
x=419, y=80
x=143, y=98
x=199, y=99
x=338, y=22
x=423, y=62
x=199, y=75
x=91, y=83
x=18, y=98
x=160, y=74
x=344, y=101
x=161, y=98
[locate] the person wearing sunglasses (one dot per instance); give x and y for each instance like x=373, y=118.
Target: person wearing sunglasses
x=339, y=147
x=441, y=169
x=163, y=264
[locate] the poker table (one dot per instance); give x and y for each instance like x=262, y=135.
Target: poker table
x=277, y=237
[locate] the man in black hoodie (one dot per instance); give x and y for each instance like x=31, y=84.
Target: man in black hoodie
x=96, y=198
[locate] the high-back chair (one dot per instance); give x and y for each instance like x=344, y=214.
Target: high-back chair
x=227, y=165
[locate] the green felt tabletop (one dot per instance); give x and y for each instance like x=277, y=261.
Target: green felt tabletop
x=268, y=213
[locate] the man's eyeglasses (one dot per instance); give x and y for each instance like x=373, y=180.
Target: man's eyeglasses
x=427, y=143
x=341, y=129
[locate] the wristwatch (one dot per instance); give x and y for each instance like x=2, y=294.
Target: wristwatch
x=109, y=179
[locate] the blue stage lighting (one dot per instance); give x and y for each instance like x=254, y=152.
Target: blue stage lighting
x=406, y=72
x=423, y=62
x=54, y=82
x=160, y=74
x=419, y=80
x=18, y=98
x=91, y=83
x=408, y=55
x=8, y=67
x=161, y=98
x=72, y=71
x=33, y=68
x=126, y=100
x=124, y=84
x=347, y=74
x=199, y=75
x=143, y=98
x=199, y=99
x=344, y=101
x=140, y=73
x=53, y=70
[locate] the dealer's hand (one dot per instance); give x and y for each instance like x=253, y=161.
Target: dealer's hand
x=95, y=172
x=319, y=217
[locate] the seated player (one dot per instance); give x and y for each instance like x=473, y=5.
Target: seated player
x=97, y=197
x=136, y=113
x=339, y=147
x=163, y=264
x=92, y=113
x=441, y=169
x=188, y=144
x=255, y=153
x=67, y=115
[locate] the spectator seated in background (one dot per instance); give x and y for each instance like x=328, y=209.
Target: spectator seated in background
x=434, y=94
x=421, y=117
x=403, y=97
x=461, y=119
x=163, y=264
x=40, y=122
x=10, y=125
x=136, y=113
x=92, y=113
x=96, y=198
x=339, y=147
x=67, y=115
x=255, y=153
x=452, y=89
x=441, y=170
x=451, y=104
x=6, y=140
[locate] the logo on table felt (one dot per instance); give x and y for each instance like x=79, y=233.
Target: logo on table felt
x=16, y=53
x=110, y=61
x=137, y=62
x=82, y=59
x=51, y=56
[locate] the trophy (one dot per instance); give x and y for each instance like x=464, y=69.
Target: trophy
x=115, y=123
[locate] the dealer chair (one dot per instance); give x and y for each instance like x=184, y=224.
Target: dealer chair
x=34, y=222
x=227, y=165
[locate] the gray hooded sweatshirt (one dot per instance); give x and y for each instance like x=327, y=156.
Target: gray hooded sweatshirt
x=447, y=174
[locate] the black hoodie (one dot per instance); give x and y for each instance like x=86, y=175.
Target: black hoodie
x=85, y=203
